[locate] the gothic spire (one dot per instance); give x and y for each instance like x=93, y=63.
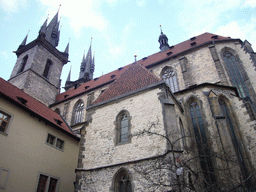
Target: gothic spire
x=87, y=65
x=51, y=31
x=69, y=75
x=23, y=43
x=163, y=40
x=43, y=28
x=92, y=67
x=67, y=48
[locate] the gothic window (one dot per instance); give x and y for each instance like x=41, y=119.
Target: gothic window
x=201, y=141
x=23, y=64
x=78, y=113
x=123, y=127
x=123, y=182
x=47, y=68
x=237, y=146
x=170, y=77
x=232, y=65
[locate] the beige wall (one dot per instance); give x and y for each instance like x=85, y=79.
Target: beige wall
x=24, y=152
x=100, y=148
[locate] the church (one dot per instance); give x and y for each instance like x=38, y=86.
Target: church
x=181, y=119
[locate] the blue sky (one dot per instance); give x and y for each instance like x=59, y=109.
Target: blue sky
x=120, y=28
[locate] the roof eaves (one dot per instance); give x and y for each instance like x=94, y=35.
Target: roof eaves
x=81, y=93
x=188, y=50
x=36, y=114
x=148, y=87
x=205, y=85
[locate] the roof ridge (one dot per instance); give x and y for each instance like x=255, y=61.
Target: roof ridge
x=130, y=80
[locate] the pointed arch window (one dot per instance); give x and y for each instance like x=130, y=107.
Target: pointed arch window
x=169, y=75
x=202, y=144
x=123, y=182
x=123, y=128
x=78, y=113
x=47, y=68
x=23, y=64
x=237, y=146
x=235, y=74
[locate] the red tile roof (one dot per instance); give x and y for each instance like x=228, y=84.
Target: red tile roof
x=30, y=104
x=133, y=78
x=146, y=62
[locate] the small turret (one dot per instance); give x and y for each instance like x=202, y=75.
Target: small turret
x=24, y=41
x=163, y=40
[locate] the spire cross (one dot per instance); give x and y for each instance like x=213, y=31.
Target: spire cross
x=59, y=7
x=161, y=28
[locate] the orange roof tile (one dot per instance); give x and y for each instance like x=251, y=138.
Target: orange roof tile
x=27, y=102
x=146, y=62
x=133, y=78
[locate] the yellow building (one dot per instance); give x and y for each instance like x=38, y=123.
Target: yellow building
x=38, y=150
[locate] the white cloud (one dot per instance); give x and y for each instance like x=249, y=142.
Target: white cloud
x=198, y=16
x=141, y=3
x=243, y=30
x=12, y=5
x=4, y=54
x=250, y=3
x=81, y=14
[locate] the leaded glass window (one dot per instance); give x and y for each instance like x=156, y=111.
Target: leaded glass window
x=235, y=74
x=202, y=144
x=226, y=113
x=124, y=133
x=79, y=113
x=123, y=127
x=170, y=77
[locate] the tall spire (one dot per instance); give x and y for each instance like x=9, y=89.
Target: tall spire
x=67, y=48
x=23, y=43
x=51, y=32
x=92, y=67
x=42, y=30
x=163, y=40
x=87, y=65
x=69, y=75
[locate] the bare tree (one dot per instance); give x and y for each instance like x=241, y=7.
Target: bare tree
x=191, y=168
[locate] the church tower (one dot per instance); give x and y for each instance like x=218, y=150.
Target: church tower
x=39, y=64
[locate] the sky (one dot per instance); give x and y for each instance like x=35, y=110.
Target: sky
x=120, y=28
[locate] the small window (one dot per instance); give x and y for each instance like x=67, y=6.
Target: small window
x=50, y=139
x=60, y=144
x=47, y=68
x=123, y=128
x=23, y=64
x=55, y=142
x=57, y=110
x=4, y=121
x=47, y=183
